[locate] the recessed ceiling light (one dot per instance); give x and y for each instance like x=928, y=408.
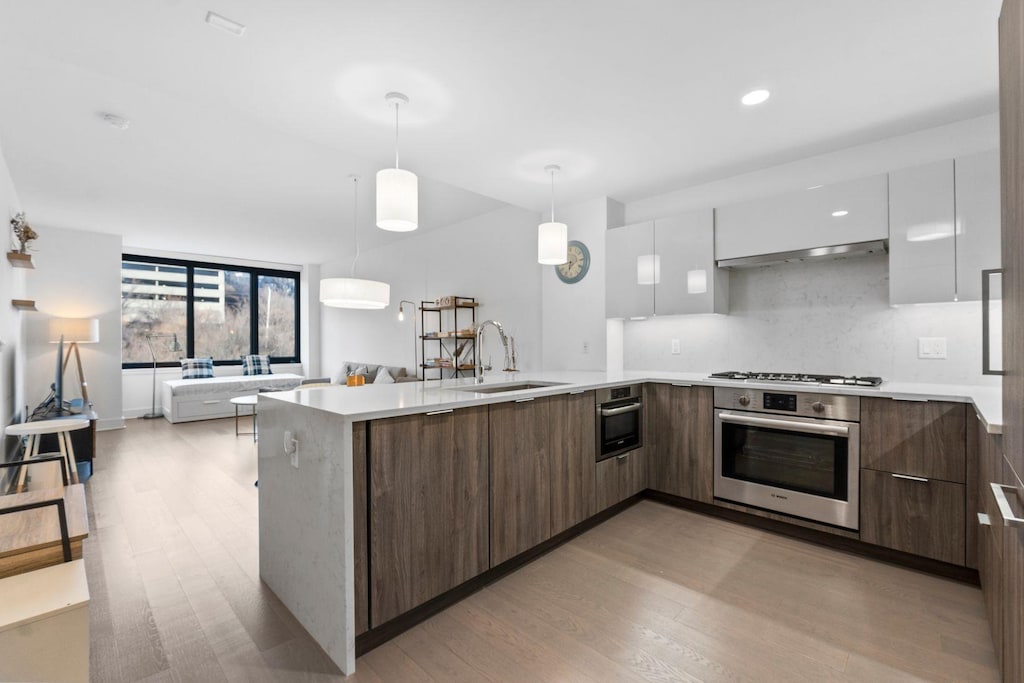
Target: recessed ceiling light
x=225, y=24
x=840, y=213
x=755, y=97
x=115, y=121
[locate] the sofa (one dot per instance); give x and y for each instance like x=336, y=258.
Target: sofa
x=399, y=374
x=187, y=400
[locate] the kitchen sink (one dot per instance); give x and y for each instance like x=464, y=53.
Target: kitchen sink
x=499, y=388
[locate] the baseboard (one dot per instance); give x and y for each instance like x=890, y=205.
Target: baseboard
x=110, y=423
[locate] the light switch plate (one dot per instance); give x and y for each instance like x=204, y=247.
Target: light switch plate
x=931, y=347
x=675, y=347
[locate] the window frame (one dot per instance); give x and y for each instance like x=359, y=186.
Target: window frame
x=254, y=306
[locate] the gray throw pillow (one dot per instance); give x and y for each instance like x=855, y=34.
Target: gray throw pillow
x=383, y=376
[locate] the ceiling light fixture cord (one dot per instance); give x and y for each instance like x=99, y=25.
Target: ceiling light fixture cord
x=396, y=134
x=552, y=195
x=355, y=218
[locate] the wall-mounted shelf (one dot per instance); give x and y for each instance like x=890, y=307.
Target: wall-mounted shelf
x=19, y=260
x=24, y=304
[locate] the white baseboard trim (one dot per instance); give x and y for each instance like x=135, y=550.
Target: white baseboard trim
x=109, y=423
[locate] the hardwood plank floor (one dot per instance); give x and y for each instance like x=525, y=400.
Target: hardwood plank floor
x=654, y=594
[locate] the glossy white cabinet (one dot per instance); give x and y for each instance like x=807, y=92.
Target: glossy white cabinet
x=690, y=282
x=626, y=247
x=665, y=267
x=943, y=229
x=922, y=248
x=804, y=219
x=977, y=221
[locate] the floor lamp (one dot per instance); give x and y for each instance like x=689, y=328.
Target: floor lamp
x=75, y=331
x=174, y=346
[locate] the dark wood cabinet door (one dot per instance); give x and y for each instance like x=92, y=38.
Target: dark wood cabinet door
x=921, y=517
x=920, y=438
x=573, y=469
x=521, y=447
x=428, y=507
x=680, y=453
x=620, y=477
x=360, y=528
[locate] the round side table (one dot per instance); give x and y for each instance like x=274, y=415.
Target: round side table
x=62, y=427
x=250, y=401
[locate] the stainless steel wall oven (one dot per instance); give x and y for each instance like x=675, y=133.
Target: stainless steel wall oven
x=797, y=453
x=619, y=421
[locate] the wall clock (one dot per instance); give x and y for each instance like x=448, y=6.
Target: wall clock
x=575, y=269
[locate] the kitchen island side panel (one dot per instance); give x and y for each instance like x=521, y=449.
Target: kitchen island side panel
x=306, y=522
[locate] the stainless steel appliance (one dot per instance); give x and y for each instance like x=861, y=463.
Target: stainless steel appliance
x=799, y=378
x=619, y=421
x=792, y=452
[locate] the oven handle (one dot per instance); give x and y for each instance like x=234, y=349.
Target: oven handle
x=809, y=427
x=631, y=408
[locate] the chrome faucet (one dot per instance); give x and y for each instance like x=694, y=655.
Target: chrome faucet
x=509, y=364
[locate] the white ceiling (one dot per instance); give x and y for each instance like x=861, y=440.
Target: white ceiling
x=243, y=146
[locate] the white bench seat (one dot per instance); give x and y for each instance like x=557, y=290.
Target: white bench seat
x=186, y=400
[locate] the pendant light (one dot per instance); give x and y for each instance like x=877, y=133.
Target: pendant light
x=352, y=292
x=397, y=189
x=552, y=237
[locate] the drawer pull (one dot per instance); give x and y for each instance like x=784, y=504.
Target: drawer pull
x=679, y=384
x=909, y=478
x=575, y=393
x=211, y=401
x=441, y=412
x=911, y=399
x=523, y=400
x=983, y=519
x=1009, y=519
x=622, y=457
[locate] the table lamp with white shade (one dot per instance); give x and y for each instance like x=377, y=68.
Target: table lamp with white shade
x=75, y=331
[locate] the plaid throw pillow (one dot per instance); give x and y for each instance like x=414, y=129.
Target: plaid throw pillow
x=256, y=365
x=196, y=368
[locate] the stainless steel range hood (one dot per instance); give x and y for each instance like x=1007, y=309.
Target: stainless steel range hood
x=814, y=254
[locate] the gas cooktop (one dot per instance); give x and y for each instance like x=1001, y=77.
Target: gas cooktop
x=798, y=378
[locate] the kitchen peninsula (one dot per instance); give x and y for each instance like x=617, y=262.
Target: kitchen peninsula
x=355, y=533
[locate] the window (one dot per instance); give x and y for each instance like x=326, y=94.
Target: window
x=223, y=312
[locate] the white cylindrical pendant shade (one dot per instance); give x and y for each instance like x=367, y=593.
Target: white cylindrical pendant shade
x=350, y=292
x=552, y=244
x=696, y=281
x=397, y=200
x=648, y=269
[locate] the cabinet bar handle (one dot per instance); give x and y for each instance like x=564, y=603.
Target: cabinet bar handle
x=581, y=391
x=622, y=457
x=211, y=402
x=909, y=478
x=441, y=412
x=677, y=384
x=986, y=306
x=523, y=400
x=999, y=491
x=911, y=399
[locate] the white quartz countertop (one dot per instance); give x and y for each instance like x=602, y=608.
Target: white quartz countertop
x=375, y=401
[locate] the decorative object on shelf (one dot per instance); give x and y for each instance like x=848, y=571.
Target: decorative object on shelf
x=173, y=347
x=24, y=304
x=401, y=317
x=448, y=333
x=397, y=189
x=23, y=231
x=575, y=269
x=552, y=246
x=75, y=331
x=353, y=292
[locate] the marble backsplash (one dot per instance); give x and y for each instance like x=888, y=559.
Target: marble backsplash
x=824, y=317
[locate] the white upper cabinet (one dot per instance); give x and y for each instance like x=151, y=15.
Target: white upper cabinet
x=630, y=271
x=977, y=221
x=943, y=229
x=664, y=267
x=689, y=282
x=840, y=213
x=922, y=247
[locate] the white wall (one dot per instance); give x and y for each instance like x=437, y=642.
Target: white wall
x=830, y=317
x=492, y=257
x=12, y=286
x=573, y=315
x=77, y=275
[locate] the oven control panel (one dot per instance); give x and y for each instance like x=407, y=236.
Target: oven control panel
x=805, y=403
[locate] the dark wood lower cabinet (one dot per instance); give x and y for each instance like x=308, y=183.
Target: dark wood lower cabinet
x=679, y=442
x=922, y=517
x=620, y=477
x=573, y=441
x=360, y=550
x=428, y=507
x=920, y=438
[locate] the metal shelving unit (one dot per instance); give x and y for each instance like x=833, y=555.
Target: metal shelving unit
x=448, y=338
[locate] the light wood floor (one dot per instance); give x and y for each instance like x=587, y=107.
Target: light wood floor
x=655, y=594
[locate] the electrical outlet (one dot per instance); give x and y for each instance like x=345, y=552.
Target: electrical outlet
x=675, y=347
x=586, y=347
x=291, y=448
x=931, y=348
